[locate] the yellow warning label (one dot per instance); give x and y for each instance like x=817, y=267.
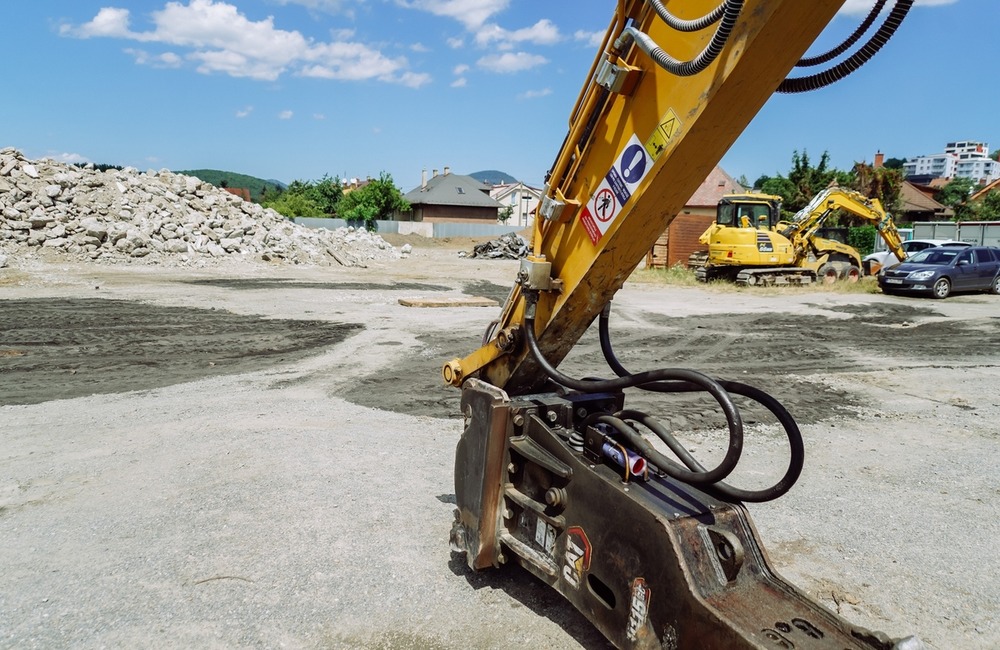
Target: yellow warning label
x=663, y=134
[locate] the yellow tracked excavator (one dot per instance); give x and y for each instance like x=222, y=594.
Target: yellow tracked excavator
x=556, y=473
x=749, y=244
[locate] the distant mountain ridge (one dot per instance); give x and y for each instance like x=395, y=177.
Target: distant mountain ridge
x=494, y=177
x=221, y=178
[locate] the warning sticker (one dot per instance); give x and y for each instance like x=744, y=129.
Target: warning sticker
x=616, y=189
x=663, y=134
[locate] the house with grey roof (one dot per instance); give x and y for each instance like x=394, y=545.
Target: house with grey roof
x=451, y=198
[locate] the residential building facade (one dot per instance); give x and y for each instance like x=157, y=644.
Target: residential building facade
x=521, y=199
x=452, y=198
x=961, y=159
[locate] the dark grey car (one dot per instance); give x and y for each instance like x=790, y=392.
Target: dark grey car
x=941, y=271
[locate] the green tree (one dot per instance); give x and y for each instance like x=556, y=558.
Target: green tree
x=883, y=183
x=956, y=196
x=809, y=180
x=295, y=201
x=895, y=163
x=995, y=155
x=986, y=207
x=327, y=193
x=505, y=213
x=379, y=199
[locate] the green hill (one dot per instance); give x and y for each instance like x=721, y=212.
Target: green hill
x=232, y=179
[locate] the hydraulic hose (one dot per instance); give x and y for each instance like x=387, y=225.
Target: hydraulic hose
x=807, y=62
x=696, y=475
x=855, y=61
x=688, y=25
x=702, y=381
x=730, y=14
x=792, y=432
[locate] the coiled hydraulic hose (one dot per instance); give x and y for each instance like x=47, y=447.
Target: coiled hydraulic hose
x=856, y=60
x=678, y=380
x=796, y=459
x=730, y=14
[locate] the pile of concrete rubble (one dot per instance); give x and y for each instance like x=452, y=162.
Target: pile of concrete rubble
x=511, y=246
x=156, y=217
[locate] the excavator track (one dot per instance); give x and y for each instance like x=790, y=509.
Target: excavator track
x=775, y=276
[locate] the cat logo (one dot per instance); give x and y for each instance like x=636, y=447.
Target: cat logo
x=577, y=561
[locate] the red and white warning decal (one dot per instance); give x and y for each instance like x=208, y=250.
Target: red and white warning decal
x=616, y=189
x=638, y=612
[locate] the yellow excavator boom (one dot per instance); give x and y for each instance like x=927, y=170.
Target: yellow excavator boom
x=641, y=139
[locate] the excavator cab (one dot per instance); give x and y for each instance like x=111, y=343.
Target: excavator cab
x=758, y=211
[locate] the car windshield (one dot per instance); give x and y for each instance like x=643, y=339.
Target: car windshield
x=940, y=256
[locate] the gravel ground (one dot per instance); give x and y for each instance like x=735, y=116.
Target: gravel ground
x=261, y=456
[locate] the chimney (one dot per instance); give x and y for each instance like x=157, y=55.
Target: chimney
x=879, y=160
x=447, y=170
x=435, y=174
x=423, y=179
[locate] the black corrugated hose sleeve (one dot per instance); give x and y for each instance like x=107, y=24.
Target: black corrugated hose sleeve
x=855, y=61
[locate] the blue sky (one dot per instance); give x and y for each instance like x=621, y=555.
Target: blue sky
x=295, y=89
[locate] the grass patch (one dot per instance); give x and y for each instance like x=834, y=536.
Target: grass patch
x=677, y=275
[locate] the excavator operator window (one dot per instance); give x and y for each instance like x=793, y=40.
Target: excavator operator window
x=726, y=215
x=745, y=215
x=755, y=216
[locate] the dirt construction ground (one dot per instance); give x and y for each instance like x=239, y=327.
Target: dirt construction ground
x=260, y=456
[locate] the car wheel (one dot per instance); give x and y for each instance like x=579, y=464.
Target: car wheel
x=995, y=287
x=942, y=288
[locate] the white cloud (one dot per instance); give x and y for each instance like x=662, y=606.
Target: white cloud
x=165, y=60
x=511, y=62
x=535, y=94
x=329, y=6
x=69, y=158
x=862, y=7
x=420, y=48
x=244, y=112
x=544, y=32
x=109, y=21
x=222, y=40
x=461, y=82
x=455, y=43
x=285, y=115
x=471, y=13
x=413, y=79
x=461, y=69
x=319, y=116
x=591, y=39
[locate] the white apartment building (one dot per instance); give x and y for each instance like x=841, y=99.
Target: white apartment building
x=963, y=159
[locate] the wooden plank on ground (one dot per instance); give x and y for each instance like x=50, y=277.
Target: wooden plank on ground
x=449, y=301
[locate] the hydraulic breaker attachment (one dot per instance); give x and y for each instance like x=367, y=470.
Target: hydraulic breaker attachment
x=652, y=562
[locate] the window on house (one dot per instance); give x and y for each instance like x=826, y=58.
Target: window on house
x=460, y=190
